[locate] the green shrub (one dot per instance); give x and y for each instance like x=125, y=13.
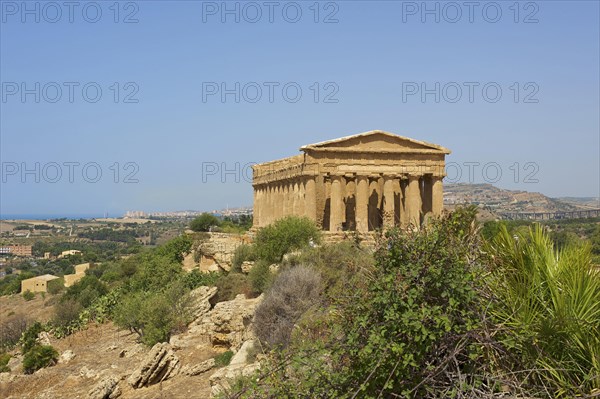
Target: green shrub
x=406, y=327
x=260, y=277
x=204, y=222
x=154, y=316
x=176, y=248
x=223, y=359
x=285, y=235
x=29, y=338
x=39, y=356
x=231, y=285
x=242, y=253
x=28, y=295
x=85, y=291
x=4, y=359
x=196, y=278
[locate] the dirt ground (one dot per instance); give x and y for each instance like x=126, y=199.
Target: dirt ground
x=100, y=351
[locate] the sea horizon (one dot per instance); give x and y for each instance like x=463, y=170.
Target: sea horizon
x=46, y=216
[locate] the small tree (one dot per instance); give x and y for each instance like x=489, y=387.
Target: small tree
x=285, y=235
x=204, y=222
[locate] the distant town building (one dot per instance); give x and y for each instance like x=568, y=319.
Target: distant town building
x=135, y=215
x=17, y=250
x=80, y=269
x=39, y=283
x=69, y=252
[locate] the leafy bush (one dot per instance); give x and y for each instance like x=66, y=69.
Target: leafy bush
x=29, y=338
x=28, y=295
x=260, y=277
x=550, y=301
x=242, y=253
x=196, y=278
x=154, y=316
x=285, y=235
x=39, y=356
x=204, y=222
x=154, y=272
x=293, y=292
x=85, y=291
x=406, y=327
x=231, y=285
x=223, y=359
x=4, y=359
x=176, y=248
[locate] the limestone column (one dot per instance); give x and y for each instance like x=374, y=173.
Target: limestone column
x=413, y=201
x=255, y=208
x=427, y=194
x=290, y=198
x=277, y=205
x=295, y=198
x=362, y=204
x=310, y=201
x=336, y=203
x=437, y=195
x=284, y=199
x=269, y=211
x=388, y=202
x=300, y=205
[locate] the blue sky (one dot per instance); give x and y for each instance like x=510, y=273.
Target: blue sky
x=517, y=89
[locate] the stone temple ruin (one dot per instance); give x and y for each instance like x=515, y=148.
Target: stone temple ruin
x=362, y=182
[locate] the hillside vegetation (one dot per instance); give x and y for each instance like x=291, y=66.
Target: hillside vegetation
x=452, y=310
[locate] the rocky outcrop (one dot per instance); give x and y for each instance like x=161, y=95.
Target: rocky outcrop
x=200, y=300
x=228, y=324
x=247, y=266
x=160, y=364
x=243, y=354
x=66, y=356
x=218, y=251
x=108, y=388
x=198, y=368
x=220, y=381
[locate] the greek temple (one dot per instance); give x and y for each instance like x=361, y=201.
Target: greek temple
x=364, y=182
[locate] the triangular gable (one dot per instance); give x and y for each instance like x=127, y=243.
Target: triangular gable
x=376, y=141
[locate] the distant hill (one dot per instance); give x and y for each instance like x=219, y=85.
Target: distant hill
x=496, y=200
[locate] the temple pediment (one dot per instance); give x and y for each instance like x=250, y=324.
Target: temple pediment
x=376, y=141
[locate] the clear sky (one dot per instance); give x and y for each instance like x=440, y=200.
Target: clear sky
x=180, y=97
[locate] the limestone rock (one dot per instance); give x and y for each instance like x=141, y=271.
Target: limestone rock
x=247, y=266
x=200, y=298
x=198, y=368
x=218, y=250
x=87, y=373
x=228, y=323
x=241, y=356
x=274, y=268
x=220, y=380
x=44, y=338
x=159, y=364
x=66, y=356
x=107, y=388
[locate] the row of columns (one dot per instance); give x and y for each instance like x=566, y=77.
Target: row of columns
x=417, y=195
x=277, y=200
